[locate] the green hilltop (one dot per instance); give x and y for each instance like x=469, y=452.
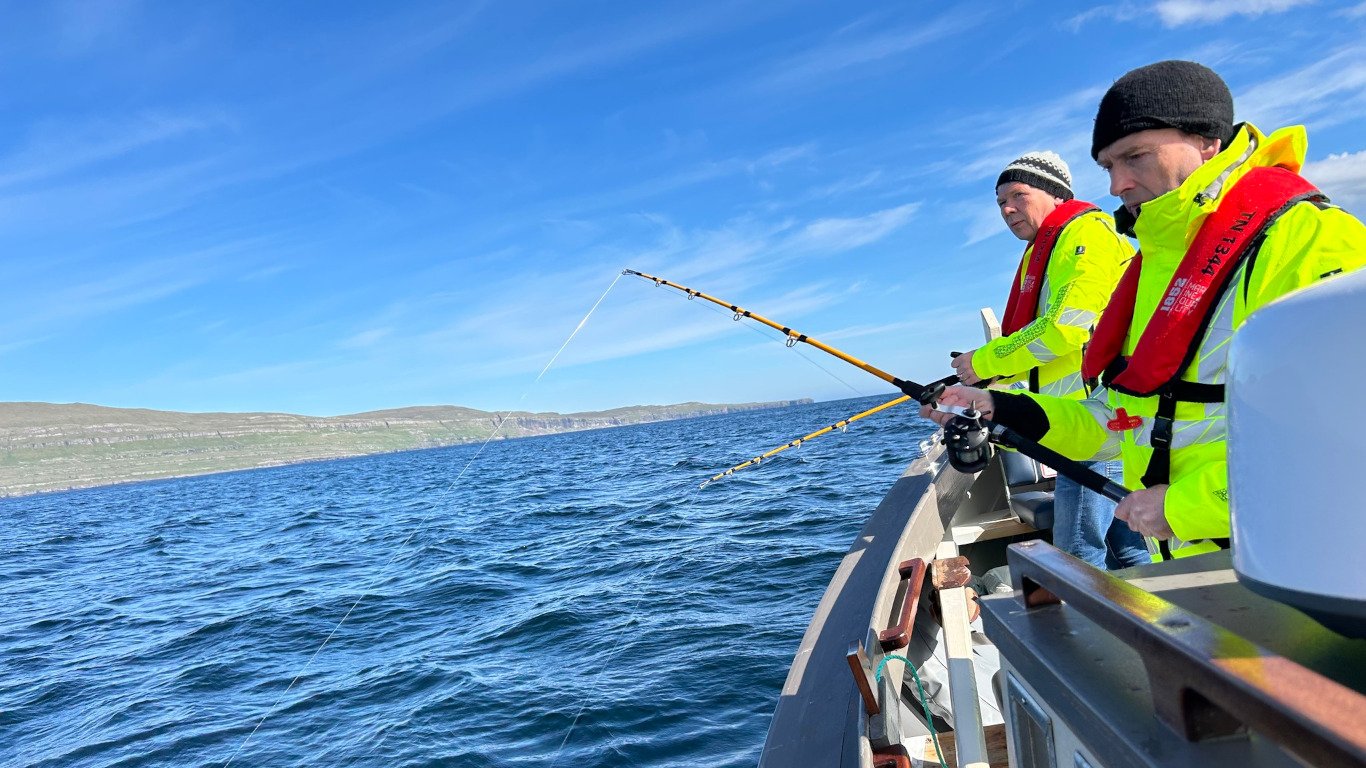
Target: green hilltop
x=49, y=447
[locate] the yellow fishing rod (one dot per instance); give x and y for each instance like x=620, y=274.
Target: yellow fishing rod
x=968, y=437
x=800, y=440
x=923, y=393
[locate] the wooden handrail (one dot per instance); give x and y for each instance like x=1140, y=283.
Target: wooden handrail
x=899, y=634
x=1206, y=681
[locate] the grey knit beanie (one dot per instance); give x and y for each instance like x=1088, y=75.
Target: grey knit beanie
x=1169, y=94
x=1042, y=170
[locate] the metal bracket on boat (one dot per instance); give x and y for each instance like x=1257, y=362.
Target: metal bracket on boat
x=912, y=580
x=950, y=572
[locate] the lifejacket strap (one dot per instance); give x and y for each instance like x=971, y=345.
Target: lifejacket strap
x=1160, y=465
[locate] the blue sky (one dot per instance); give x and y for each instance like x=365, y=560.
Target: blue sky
x=332, y=208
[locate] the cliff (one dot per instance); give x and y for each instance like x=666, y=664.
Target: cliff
x=46, y=446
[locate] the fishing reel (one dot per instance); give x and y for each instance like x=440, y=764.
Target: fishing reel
x=968, y=442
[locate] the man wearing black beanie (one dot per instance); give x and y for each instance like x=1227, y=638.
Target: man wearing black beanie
x=1071, y=261
x=1225, y=224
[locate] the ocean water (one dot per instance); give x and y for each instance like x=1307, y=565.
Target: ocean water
x=571, y=600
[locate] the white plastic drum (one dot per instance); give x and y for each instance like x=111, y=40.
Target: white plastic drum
x=1297, y=451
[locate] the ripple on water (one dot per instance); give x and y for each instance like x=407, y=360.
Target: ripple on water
x=571, y=601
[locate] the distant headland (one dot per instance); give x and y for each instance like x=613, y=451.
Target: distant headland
x=53, y=447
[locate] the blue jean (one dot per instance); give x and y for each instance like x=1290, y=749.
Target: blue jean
x=1084, y=524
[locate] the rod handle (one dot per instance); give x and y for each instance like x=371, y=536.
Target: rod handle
x=1072, y=470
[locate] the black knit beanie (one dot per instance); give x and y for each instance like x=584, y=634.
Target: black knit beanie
x=1041, y=170
x=1168, y=94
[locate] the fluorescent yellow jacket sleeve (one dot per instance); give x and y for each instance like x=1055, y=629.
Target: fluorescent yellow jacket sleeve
x=1087, y=262
x=1197, y=504
x=1076, y=428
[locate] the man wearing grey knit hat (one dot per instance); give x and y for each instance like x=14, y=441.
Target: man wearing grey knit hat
x=1072, y=259
x=1225, y=224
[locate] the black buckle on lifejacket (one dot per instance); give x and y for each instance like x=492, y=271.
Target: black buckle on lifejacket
x=1161, y=436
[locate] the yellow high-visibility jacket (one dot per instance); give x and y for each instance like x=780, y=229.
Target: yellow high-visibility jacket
x=1306, y=244
x=1088, y=259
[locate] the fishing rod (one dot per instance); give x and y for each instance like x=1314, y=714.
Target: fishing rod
x=925, y=394
x=968, y=437
x=837, y=425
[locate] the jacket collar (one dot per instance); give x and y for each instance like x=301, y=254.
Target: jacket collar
x=1167, y=223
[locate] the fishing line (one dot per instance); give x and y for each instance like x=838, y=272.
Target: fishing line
x=641, y=592
x=648, y=581
x=497, y=429
x=772, y=335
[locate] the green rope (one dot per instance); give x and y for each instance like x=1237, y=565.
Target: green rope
x=924, y=702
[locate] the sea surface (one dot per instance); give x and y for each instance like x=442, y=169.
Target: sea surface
x=570, y=600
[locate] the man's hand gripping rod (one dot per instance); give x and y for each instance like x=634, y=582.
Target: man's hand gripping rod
x=968, y=438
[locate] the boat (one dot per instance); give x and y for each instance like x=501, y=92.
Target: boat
x=1251, y=657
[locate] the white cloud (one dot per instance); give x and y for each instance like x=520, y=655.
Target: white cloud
x=1176, y=13
x=1343, y=177
x=847, y=185
x=844, y=52
x=847, y=234
x=88, y=24
x=606, y=47
x=782, y=156
x=979, y=154
x=925, y=320
x=984, y=222
x=1355, y=12
x=58, y=148
x=87, y=301
x=1063, y=125
x=1116, y=13
x=515, y=324
x=699, y=173
x=1331, y=90
x=1328, y=91
x=366, y=338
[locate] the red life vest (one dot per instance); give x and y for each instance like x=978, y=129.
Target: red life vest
x=1023, y=305
x=1172, y=337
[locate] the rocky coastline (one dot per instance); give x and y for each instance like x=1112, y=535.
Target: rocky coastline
x=52, y=447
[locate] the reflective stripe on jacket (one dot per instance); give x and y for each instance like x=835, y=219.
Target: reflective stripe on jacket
x=1304, y=245
x=1087, y=261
